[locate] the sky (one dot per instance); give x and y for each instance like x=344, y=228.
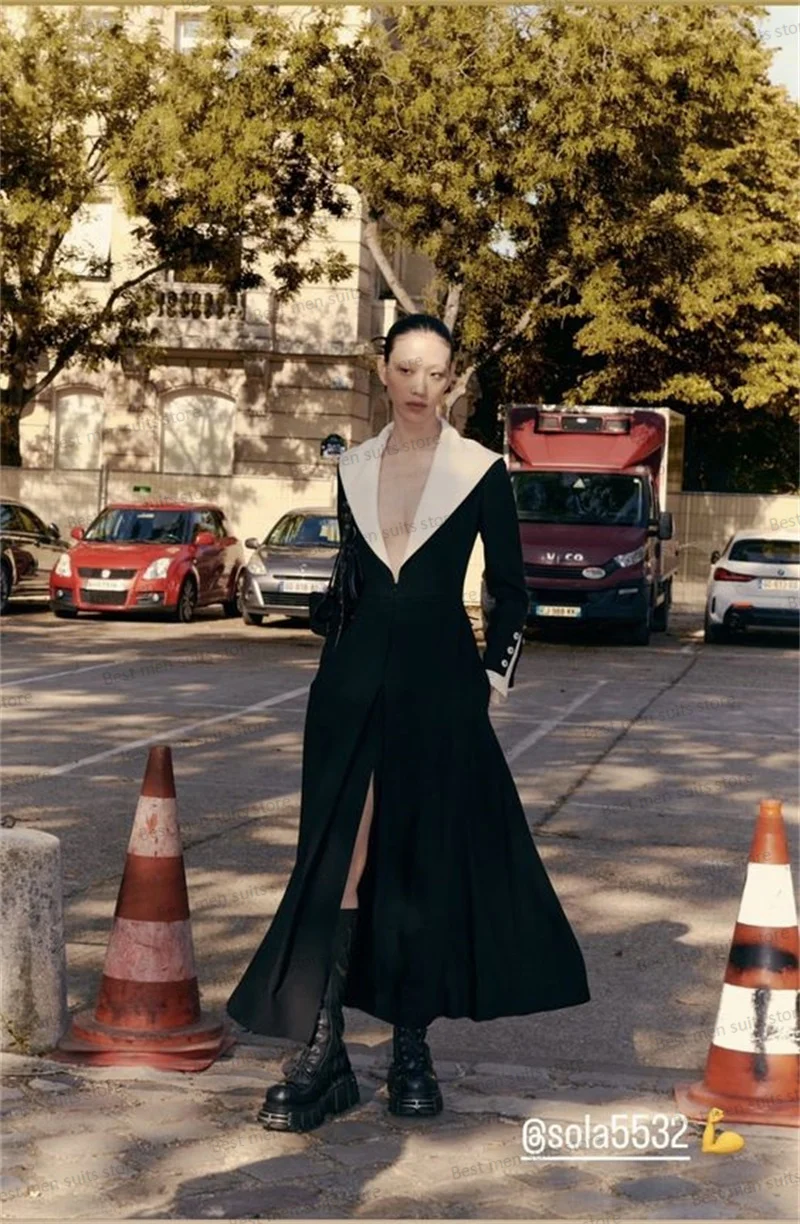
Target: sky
x=786, y=64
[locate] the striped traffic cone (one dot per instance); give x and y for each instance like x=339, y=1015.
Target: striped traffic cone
x=753, y=1067
x=148, y=1009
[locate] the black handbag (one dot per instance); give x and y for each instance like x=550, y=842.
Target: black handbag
x=332, y=610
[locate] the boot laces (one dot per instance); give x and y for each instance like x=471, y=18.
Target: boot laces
x=412, y=1048
x=311, y=1055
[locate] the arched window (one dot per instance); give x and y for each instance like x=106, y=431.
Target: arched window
x=79, y=429
x=198, y=433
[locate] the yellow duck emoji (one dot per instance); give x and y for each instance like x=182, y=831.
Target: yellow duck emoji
x=727, y=1141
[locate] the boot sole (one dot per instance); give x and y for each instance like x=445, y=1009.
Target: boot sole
x=415, y=1107
x=341, y=1095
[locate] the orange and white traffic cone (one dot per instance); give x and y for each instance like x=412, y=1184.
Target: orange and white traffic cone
x=148, y=1009
x=753, y=1066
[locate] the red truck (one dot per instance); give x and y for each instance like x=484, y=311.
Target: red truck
x=592, y=486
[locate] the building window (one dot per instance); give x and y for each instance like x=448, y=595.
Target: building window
x=79, y=429
x=198, y=433
x=224, y=269
x=87, y=245
x=188, y=30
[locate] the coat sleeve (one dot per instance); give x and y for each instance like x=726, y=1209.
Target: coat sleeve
x=504, y=575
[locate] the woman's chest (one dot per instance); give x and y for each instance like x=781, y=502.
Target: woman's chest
x=400, y=488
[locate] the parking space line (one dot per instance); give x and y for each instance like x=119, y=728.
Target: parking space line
x=72, y=671
x=546, y=727
x=171, y=733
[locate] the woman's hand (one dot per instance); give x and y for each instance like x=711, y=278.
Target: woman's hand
x=496, y=698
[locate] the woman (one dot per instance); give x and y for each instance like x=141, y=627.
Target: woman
x=417, y=890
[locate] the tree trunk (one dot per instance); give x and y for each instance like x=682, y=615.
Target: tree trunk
x=14, y=399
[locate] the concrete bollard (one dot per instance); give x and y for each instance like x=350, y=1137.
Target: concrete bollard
x=33, y=974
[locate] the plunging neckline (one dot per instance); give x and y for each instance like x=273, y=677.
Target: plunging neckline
x=396, y=578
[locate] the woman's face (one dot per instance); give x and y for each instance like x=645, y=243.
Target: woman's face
x=417, y=376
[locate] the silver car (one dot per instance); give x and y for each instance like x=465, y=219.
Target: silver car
x=295, y=559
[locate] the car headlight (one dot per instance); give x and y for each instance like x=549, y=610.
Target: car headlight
x=256, y=566
x=624, y=560
x=158, y=568
x=63, y=566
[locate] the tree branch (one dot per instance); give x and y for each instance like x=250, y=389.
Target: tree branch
x=460, y=385
x=376, y=250
x=70, y=347
x=452, y=305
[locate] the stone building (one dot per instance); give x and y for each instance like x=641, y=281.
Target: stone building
x=244, y=393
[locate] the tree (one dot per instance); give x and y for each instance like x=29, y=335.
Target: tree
x=676, y=171
x=430, y=109
x=199, y=147
x=607, y=195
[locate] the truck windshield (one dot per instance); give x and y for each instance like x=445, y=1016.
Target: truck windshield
x=598, y=498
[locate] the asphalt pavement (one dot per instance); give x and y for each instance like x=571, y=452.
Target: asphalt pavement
x=640, y=769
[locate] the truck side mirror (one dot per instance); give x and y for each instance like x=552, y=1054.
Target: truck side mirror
x=715, y=556
x=666, y=529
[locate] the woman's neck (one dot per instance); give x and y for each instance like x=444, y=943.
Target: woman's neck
x=426, y=434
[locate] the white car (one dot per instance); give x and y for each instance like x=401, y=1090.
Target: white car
x=754, y=581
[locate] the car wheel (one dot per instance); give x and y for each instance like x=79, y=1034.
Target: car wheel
x=639, y=633
x=5, y=586
x=233, y=607
x=187, y=602
x=659, y=622
x=251, y=618
x=714, y=634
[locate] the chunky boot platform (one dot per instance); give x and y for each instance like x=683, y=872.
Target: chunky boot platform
x=320, y=1080
x=413, y=1087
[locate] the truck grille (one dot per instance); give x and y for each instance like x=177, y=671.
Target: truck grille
x=554, y=571
x=103, y=597
x=556, y=595
x=96, y=572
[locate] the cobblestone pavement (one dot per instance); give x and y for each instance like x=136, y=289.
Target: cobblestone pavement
x=134, y=1143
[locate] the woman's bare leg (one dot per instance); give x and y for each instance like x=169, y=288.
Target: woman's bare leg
x=359, y=857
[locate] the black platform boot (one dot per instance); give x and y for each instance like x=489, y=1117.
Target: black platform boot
x=413, y=1087
x=320, y=1080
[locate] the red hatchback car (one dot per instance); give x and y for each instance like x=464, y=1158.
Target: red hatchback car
x=168, y=557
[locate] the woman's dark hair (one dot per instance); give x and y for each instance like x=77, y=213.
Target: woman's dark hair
x=417, y=322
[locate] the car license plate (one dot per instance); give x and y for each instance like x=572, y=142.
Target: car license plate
x=106, y=584
x=302, y=586
x=780, y=584
x=556, y=610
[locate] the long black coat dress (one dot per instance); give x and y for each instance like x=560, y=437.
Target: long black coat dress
x=457, y=916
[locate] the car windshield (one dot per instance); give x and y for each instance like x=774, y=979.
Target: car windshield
x=306, y=531
x=597, y=498
x=766, y=552
x=132, y=525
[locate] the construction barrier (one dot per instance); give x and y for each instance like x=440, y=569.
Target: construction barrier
x=753, y=1067
x=148, y=1009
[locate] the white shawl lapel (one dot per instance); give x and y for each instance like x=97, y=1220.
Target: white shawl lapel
x=457, y=467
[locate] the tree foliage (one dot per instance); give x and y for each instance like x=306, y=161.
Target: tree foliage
x=200, y=149
x=608, y=196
